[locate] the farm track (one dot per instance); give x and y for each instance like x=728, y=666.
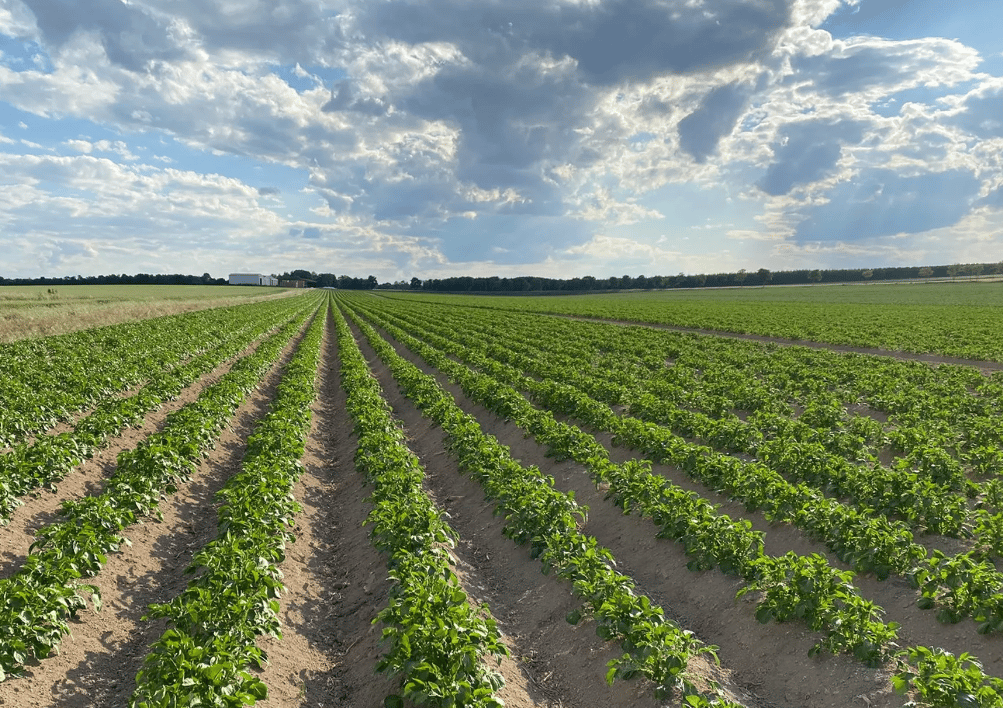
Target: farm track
x=769, y=661
x=97, y=665
x=88, y=478
x=986, y=367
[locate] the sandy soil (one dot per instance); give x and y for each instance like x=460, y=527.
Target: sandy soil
x=88, y=478
x=98, y=663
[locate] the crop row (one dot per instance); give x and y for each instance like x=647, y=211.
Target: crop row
x=47, y=459
x=955, y=329
x=716, y=375
x=45, y=381
x=38, y=601
x=791, y=586
x=939, y=419
x=204, y=656
x=437, y=640
x=538, y=514
x=937, y=676
x=960, y=586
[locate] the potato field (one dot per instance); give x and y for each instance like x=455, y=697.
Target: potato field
x=393, y=499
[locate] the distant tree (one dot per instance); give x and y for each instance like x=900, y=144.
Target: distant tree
x=740, y=276
x=954, y=270
x=765, y=276
x=371, y=282
x=925, y=272
x=815, y=276
x=416, y=283
x=303, y=275
x=868, y=274
x=975, y=270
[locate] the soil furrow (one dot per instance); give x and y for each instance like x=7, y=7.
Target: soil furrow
x=335, y=580
x=895, y=595
x=768, y=661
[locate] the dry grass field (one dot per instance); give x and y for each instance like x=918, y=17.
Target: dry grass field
x=41, y=311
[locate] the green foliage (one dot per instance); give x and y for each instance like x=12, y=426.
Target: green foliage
x=547, y=520
x=233, y=598
x=436, y=639
x=942, y=680
x=37, y=602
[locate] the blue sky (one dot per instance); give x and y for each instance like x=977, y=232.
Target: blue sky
x=557, y=138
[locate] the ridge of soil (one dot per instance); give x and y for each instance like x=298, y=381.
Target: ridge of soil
x=559, y=664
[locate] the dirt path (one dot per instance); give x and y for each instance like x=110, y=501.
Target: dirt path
x=97, y=665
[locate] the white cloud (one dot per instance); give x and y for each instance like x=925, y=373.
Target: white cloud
x=83, y=146
x=457, y=132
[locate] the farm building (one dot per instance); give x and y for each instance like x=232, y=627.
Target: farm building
x=252, y=279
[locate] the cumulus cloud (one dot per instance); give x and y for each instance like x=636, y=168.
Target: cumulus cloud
x=981, y=112
x=610, y=42
x=130, y=34
x=486, y=132
x=700, y=131
x=863, y=64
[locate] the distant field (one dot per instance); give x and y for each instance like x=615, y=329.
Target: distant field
x=41, y=310
x=958, y=319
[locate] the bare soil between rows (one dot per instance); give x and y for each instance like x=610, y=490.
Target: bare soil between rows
x=97, y=664
x=41, y=508
x=553, y=663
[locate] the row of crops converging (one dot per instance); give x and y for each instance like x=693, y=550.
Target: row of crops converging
x=888, y=469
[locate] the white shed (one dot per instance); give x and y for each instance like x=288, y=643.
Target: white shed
x=248, y=279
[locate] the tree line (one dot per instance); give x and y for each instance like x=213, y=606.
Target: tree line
x=527, y=283
x=123, y=279
x=742, y=278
